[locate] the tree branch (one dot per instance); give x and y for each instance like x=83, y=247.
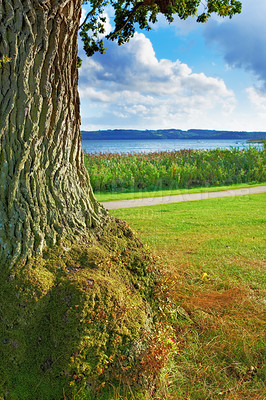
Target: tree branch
x=132, y=12
x=90, y=13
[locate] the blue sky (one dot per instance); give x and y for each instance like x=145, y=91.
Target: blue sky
x=184, y=76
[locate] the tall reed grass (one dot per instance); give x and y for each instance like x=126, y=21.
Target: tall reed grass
x=177, y=169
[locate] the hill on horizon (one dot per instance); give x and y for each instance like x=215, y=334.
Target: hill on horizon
x=131, y=134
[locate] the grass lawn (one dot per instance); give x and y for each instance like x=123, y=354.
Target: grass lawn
x=212, y=256
x=127, y=195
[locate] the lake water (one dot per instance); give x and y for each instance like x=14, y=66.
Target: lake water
x=149, y=146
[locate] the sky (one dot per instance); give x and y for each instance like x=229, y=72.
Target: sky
x=184, y=75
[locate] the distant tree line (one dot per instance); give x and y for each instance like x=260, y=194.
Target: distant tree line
x=131, y=134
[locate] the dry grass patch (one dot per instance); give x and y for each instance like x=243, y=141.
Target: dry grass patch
x=213, y=300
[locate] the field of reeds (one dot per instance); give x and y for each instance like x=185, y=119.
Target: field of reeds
x=178, y=169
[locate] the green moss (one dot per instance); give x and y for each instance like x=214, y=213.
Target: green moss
x=72, y=321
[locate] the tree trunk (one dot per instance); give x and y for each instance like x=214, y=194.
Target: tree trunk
x=45, y=193
x=74, y=316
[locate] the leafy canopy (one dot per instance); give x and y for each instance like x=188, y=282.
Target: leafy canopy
x=128, y=13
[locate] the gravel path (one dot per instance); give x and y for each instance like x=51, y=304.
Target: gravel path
x=152, y=201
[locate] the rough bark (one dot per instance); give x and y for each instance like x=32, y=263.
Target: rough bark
x=45, y=192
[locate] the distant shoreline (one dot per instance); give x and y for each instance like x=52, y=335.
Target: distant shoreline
x=255, y=140
x=192, y=134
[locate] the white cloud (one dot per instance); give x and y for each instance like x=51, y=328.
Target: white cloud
x=258, y=98
x=132, y=88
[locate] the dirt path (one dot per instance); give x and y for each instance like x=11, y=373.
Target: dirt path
x=151, y=201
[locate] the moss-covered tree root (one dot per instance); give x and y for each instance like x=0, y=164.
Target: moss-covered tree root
x=77, y=320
